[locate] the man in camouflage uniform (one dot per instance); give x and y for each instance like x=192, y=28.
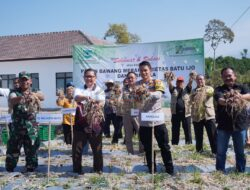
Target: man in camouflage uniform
x=24, y=129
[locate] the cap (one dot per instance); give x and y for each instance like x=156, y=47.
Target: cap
x=69, y=84
x=109, y=81
x=180, y=78
x=24, y=74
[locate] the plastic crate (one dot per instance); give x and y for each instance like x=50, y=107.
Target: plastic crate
x=4, y=136
x=44, y=132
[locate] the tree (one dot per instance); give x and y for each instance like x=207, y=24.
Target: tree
x=244, y=53
x=216, y=32
x=208, y=66
x=121, y=34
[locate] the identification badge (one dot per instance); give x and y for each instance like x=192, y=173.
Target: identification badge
x=152, y=116
x=135, y=112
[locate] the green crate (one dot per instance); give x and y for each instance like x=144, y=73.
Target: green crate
x=44, y=132
x=5, y=136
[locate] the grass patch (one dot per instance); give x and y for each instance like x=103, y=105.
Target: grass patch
x=197, y=178
x=66, y=186
x=141, y=174
x=52, y=182
x=196, y=156
x=190, y=147
x=219, y=177
x=238, y=176
x=158, y=178
x=99, y=181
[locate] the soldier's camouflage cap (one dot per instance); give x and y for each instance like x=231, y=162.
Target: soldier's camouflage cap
x=24, y=74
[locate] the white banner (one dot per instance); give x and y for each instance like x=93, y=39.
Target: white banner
x=114, y=62
x=5, y=118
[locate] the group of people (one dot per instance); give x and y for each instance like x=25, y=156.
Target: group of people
x=231, y=113
x=95, y=109
x=91, y=123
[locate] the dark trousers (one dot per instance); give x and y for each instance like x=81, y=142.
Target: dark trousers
x=118, y=129
x=18, y=139
x=161, y=135
x=211, y=133
x=67, y=133
x=108, y=118
x=80, y=140
x=177, y=119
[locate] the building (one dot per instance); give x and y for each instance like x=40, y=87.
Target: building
x=47, y=56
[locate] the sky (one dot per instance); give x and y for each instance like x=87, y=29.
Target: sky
x=152, y=20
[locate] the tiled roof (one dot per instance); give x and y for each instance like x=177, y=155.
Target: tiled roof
x=98, y=41
x=41, y=45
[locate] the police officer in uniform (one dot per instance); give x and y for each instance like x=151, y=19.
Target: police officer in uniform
x=152, y=103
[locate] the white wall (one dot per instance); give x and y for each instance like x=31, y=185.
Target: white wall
x=47, y=70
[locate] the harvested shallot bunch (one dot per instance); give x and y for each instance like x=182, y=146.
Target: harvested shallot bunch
x=169, y=76
x=234, y=104
x=115, y=95
x=142, y=93
x=193, y=75
x=94, y=112
x=198, y=100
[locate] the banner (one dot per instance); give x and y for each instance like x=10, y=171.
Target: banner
x=114, y=62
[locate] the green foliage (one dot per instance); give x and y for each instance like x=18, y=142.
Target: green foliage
x=99, y=181
x=158, y=178
x=241, y=66
x=219, y=177
x=120, y=33
x=244, y=53
x=197, y=178
x=216, y=32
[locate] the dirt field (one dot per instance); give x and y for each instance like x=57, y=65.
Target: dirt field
x=123, y=171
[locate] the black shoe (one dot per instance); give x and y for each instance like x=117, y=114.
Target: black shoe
x=79, y=172
x=107, y=136
x=170, y=170
x=98, y=171
x=114, y=142
x=30, y=169
x=150, y=169
x=10, y=169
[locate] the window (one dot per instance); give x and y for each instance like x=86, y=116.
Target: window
x=7, y=81
x=62, y=79
x=35, y=81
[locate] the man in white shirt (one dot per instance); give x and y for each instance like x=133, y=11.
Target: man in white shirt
x=84, y=130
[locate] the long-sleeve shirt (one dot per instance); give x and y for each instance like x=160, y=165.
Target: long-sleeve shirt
x=153, y=103
x=96, y=93
x=66, y=103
